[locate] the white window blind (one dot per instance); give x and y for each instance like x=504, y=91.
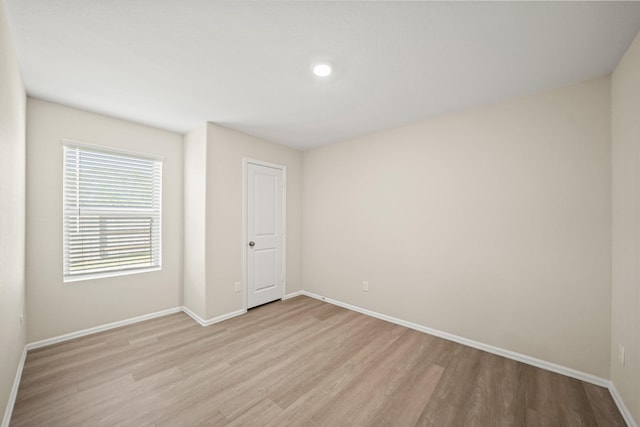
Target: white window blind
x=112, y=212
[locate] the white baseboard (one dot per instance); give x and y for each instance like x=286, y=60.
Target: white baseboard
x=66, y=337
x=583, y=376
x=213, y=320
x=626, y=414
x=194, y=316
x=293, y=295
x=96, y=329
x=106, y=327
x=519, y=357
x=14, y=390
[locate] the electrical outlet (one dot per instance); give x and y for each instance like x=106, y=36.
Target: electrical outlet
x=21, y=318
x=621, y=354
x=237, y=286
x=365, y=286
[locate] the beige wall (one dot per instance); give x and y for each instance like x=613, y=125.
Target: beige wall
x=12, y=207
x=491, y=224
x=55, y=307
x=195, y=179
x=225, y=150
x=625, y=304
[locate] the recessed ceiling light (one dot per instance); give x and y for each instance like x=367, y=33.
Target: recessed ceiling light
x=322, y=70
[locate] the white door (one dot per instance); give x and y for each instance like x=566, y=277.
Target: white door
x=265, y=231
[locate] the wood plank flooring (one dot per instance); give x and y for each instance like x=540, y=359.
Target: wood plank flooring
x=300, y=362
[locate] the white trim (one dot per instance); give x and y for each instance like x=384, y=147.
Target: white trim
x=263, y=163
x=115, y=273
x=193, y=315
x=110, y=149
x=213, y=320
x=245, y=163
x=573, y=373
x=66, y=337
x=563, y=370
x=293, y=295
x=72, y=208
x=626, y=414
x=96, y=329
x=284, y=231
x=14, y=390
x=106, y=327
x=245, y=283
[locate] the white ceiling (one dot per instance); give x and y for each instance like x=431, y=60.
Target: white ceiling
x=247, y=65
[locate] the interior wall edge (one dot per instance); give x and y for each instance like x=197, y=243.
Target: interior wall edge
x=624, y=410
x=292, y=295
x=213, y=320
x=13, y=309
x=125, y=322
x=14, y=390
x=625, y=254
x=90, y=331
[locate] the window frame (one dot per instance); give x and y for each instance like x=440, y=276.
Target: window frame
x=112, y=212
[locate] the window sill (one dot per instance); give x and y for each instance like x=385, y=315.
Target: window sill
x=71, y=279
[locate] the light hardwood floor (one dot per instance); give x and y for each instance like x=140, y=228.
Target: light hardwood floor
x=300, y=362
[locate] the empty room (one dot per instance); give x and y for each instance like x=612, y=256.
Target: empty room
x=331, y=213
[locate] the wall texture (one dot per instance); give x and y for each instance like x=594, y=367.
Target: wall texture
x=492, y=224
x=55, y=307
x=12, y=209
x=225, y=151
x=195, y=196
x=625, y=303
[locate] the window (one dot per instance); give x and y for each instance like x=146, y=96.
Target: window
x=112, y=212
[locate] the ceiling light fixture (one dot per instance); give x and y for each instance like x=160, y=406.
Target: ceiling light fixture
x=322, y=70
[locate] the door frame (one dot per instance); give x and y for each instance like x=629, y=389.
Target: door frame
x=246, y=161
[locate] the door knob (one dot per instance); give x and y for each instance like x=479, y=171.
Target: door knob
x=252, y=244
